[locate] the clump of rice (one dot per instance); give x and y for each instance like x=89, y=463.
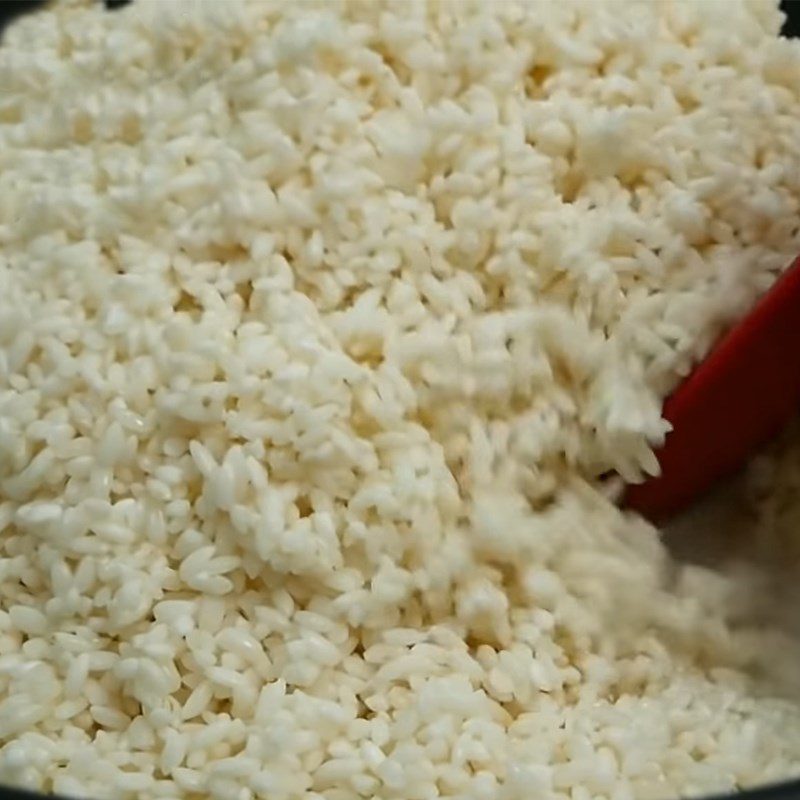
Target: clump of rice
x=318, y=322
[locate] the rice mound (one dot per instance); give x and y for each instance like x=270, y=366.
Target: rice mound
x=319, y=322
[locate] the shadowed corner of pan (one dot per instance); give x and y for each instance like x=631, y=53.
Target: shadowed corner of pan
x=11, y=9
x=791, y=27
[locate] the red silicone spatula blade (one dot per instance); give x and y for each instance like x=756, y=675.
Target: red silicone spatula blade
x=736, y=399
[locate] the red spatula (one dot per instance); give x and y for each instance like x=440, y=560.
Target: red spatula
x=735, y=400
